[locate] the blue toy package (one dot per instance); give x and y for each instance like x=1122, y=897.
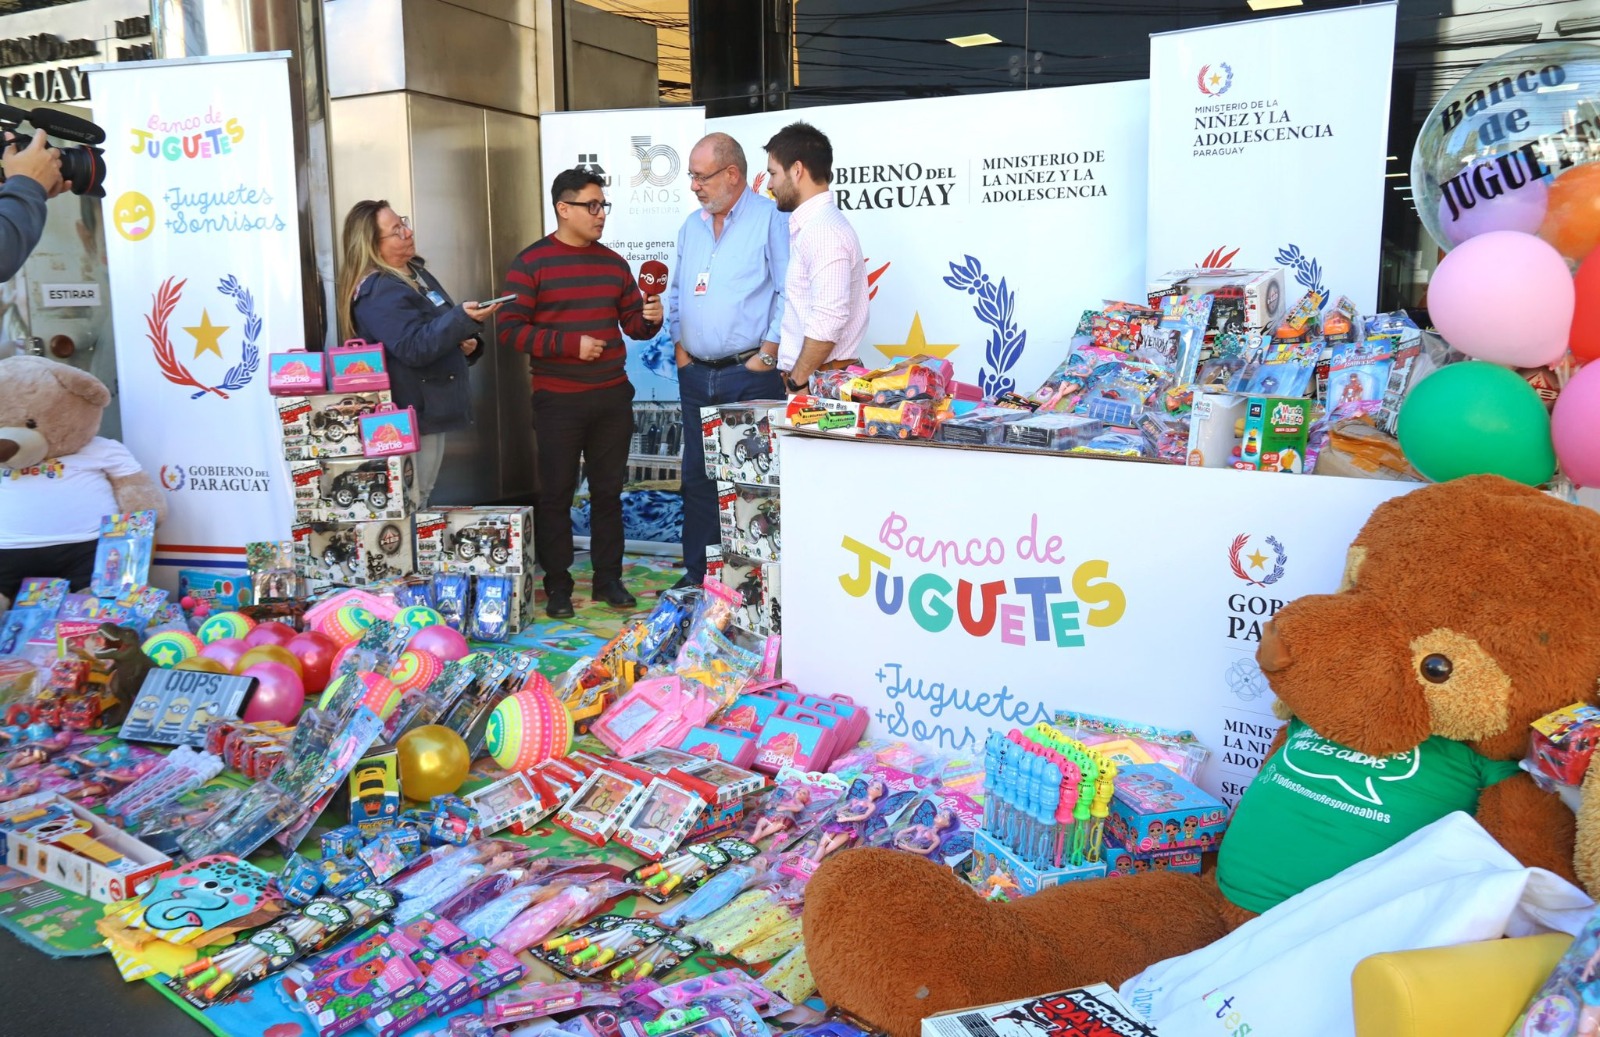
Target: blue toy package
x=451, y=596
x=32, y=614
x=491, y=607
x=412, y=592
x=1153, y=810
x=122, y=555
x=666, y=627
x=1568, y=1003
x=222, y=589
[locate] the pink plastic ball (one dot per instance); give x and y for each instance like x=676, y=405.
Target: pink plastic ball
x=226, y=651
x=1575, y=427
x=441, y=641
x=271, y=633
x=279, y=694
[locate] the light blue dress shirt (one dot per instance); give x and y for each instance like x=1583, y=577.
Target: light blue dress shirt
x=743, y=272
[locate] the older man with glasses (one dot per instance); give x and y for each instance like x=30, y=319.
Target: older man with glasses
x=724, y=311
x=574, y=298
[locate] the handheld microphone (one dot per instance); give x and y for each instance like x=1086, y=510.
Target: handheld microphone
x=652, y=277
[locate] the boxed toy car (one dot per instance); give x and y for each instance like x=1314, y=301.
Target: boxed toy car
x=476, y=540
x=326, y=425
x=1155, y=810
x=749, y=520
x=375, y=789
x=354, y=553
x=352, y=490
x=57, y=840
x=1216, y=429
x=711, y=442
x=820, y=414
x=1244, y=303
x=1275, y=430
x=748, y=450
x=1563, y=742
x=1052, y=431
x=904, y=419
x=753, y=581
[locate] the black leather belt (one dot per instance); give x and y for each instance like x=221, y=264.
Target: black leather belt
x=727, y=361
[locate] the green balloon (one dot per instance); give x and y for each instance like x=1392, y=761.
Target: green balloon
x=1475, y=418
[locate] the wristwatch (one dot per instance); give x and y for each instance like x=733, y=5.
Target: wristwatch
x=791, y=385
x=770, y=359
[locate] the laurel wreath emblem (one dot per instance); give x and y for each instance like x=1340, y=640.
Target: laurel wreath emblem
x=996, y=307
x=1227, y=79
x=166, y=300
x=1307, y=271
x=1268, y=580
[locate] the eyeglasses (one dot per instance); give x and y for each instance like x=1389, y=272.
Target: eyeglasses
x=401, y=229
x=595, y=208
x=700, y=178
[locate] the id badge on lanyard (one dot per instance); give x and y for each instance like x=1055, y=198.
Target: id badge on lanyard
x=435, y=298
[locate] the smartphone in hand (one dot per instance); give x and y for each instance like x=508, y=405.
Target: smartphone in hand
x=495, y=302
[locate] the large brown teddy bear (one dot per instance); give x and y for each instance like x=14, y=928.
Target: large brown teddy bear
x=57, y=477
x=1467, y=610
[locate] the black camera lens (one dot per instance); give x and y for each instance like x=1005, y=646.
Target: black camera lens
x=85, y=167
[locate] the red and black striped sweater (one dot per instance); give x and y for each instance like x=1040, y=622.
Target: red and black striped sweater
x=563, y=293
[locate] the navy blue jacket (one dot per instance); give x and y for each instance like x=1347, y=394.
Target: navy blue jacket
x=422, y=345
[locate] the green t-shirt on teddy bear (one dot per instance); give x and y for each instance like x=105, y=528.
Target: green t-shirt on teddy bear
x=1317, y=807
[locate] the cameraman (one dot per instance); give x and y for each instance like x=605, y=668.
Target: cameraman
x=32, y=177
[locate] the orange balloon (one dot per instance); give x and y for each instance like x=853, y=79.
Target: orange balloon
x=1572, y=218
x=269, y=654
x=203, y=663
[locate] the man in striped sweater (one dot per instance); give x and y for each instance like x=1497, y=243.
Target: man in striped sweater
x=572, y=295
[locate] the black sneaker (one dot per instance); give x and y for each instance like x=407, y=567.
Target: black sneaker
x=616, y=595
x=559, y=606
x=684, y=582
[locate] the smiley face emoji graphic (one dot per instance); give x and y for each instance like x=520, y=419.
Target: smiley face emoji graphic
x=133, y=216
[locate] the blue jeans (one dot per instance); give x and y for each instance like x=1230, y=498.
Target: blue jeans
x=702, y=386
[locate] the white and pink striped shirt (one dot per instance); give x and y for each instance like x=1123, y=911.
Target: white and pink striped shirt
x=826, y=287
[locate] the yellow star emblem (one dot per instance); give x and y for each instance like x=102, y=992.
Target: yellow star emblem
x=165, y=656
x=917, y=343
x=1215, y=78
x=207, y=336
x=1257, y=560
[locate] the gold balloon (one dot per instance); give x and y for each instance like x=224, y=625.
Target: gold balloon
x=203, y=663
x=433, y=762
x=269, y=654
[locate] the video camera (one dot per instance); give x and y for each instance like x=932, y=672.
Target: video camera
x=84, y=166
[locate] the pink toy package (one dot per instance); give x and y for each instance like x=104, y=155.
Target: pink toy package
x=357, y=366
x=388, y=431
x=339, y=1002
x=654, y=712
x=296, y=373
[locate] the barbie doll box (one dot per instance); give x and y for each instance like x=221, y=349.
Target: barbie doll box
x=1154, y=810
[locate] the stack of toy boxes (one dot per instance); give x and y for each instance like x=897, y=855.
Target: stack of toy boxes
x=1245, y=303
x=352, y=513
x=741, y=452
x=1160, y=820
x=482, y=542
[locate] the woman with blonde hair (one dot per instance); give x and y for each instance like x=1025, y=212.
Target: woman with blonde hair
x=387, y=295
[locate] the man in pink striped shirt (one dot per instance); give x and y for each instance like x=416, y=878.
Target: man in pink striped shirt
x=826, y=286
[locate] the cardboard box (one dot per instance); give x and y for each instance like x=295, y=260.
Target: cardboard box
x=1275, y=430
x=1155, y=810
x=325, y=425
x=1123, y=861
x=749, y=520
x=1216, y=429
x=749, y=447
x=105, y=863
x=1093, y=1009
x=352, y=490
x=476, y=540
x=754, y=581
x=223, y=589
x=330, y=554
x=711, y=442
x=995, y=869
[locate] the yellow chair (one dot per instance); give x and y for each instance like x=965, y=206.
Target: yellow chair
x=1469, y=990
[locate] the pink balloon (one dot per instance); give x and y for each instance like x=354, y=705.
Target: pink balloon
x=1505, y=297
x=1575, y=427
x=279, y=695
x=226, y=651
x=272, y=633
x=442, y=641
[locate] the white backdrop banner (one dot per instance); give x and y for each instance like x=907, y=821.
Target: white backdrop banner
x=204, y=255
x=1267, y=146
x=965, y=590
x=988, y=222
x=643, y=155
